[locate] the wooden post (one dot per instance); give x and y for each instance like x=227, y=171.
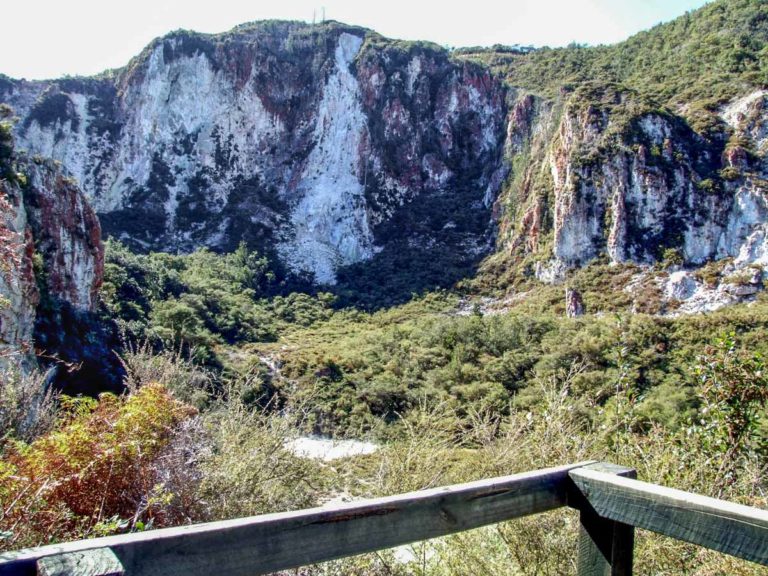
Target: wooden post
x=605, y=546
x=740, y=531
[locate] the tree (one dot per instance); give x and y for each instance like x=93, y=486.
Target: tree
x=734, y=389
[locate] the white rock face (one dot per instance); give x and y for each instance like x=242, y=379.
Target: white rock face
x=754, y=250
x=694, y=296
x=73, y=151
x=187, y=97
x=680, y=285
x=287, y=136
x=738, y=112
x=744, y=235
x=330, y=222
x=633, y=198
x=552, y=272
x=182, y=99
x=413, y=71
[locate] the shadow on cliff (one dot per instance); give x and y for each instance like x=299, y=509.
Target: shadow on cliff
x=398, y=273
x=430, y=243
x=77, y=347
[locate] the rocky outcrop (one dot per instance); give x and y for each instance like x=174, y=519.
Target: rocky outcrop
x=305, y=141
x=59, y=257
x=19, y=295
x=66, y=234
x=574, y=304
x=691, y=294
x=623, y=180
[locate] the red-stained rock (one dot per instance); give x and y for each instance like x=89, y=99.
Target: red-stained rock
x=66, y=233
x=56, y=239
x=18, y=289
x=736, y=157
x=344, y=129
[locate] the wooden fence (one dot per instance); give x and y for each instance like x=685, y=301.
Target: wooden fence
x=610, y=500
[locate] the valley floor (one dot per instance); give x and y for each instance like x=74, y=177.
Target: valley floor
x=425, y=394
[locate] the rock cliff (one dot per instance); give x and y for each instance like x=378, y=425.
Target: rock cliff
x=306, y=141
x=19, y=295
x=54, y=259
x=331, y=148
x=620, y=178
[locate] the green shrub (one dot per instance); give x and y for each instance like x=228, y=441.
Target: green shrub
x=709, y=186
x=671, y=257
x=250, y=470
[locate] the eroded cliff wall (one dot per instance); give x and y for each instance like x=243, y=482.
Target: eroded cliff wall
x=306, y=141
x=622, y=179
x=55, y=259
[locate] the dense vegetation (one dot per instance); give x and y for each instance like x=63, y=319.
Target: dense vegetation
x=362, y=371
x=699, y=59
x=149, y=459
x=374, y=370
x=201, y=301
x=222, y=364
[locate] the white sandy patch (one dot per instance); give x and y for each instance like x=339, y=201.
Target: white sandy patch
x=326, y=449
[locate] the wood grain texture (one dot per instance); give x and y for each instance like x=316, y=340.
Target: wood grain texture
x=605, y=546
x=99, y=562
x=264, y=544
x=734, y=529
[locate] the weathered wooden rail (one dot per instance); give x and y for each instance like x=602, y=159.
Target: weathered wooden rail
x=610, y=500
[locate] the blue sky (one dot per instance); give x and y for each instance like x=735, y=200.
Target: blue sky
x=45, y=39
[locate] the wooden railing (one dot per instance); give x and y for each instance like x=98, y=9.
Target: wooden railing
x=610, y=500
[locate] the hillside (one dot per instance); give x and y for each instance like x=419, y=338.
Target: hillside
x=706, y=57
x=669, y=107
x=482, y=261
x=322, y=146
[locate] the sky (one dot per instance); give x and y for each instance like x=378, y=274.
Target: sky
x=51, y=38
